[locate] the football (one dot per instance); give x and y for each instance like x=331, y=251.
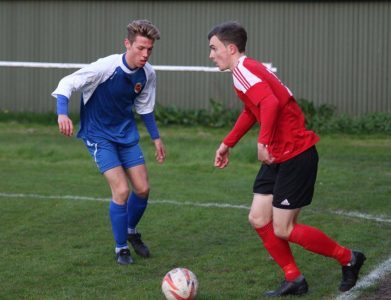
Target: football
x=180, y=284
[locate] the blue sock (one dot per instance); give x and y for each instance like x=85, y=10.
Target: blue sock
x=118, y=218
x=136, y=208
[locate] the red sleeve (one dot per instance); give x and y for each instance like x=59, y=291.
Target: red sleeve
x=262, y=94
x=243, y=124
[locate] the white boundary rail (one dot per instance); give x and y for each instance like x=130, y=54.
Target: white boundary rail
x=78, y=66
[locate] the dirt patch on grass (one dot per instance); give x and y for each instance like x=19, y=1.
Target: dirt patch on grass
x=382, y=291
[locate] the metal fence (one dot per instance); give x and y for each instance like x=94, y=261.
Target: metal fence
x=326, y=52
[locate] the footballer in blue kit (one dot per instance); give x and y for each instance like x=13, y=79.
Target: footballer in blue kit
x=111, y=89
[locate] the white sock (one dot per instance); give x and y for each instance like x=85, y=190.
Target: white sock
x=117, y=250
x=132, y=230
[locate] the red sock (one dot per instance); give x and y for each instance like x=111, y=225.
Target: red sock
x=280, y=251
x=316, y=241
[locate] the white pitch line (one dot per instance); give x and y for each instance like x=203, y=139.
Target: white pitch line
x=358, y=215
x=66, y=197
x=179, y=203
x=371, y=279
x=187, y=203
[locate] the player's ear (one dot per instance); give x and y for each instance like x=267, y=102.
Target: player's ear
x=127, y=43
x=232, y=48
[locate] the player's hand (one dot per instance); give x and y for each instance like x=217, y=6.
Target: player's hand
x=263, y=154
x=65, y=125
x=221, y=158
x=160, y=151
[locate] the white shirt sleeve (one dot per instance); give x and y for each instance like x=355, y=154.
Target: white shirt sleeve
x=87, y=79
x=145, y=102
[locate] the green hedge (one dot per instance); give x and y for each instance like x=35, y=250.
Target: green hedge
x=322, y=119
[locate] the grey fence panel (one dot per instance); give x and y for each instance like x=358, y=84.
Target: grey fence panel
x=327, y=52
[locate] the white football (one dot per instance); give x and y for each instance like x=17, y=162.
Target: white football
x=180, y=284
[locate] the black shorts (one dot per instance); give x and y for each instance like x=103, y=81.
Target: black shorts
x=291, y=182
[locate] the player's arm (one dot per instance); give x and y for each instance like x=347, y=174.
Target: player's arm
x=269, y=113
x=80, y=80
x=269, y=107
x=65, y=124
x=150, y=124
x=221, y=157
x=144, y=106
x=86, y=78
x=243, y=124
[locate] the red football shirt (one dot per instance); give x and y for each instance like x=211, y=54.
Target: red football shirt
x=270, y=103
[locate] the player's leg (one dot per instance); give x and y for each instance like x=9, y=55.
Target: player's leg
x=295, y=285
x=261, y=219
x=137, y=203
x=136, y=171
x=316, y=241
x=294, y=190
x=308, y=237
x=108, y=163
x=118, y=183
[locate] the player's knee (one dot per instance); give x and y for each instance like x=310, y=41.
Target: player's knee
x=121, y=194
x=258, y=221
x=280, y=231
x=143, y=192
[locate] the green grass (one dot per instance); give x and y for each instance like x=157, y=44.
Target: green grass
x=53, y=248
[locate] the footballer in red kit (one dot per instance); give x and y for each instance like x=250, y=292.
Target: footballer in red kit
x=287, y=150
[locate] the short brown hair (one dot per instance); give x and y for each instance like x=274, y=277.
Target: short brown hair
x=144, y=28
x=230, y=33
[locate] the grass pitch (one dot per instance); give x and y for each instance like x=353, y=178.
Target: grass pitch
x=55, y=244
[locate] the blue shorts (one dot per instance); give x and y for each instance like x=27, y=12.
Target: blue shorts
x=108, y=155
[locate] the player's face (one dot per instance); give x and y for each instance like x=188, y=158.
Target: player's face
x=219, y=54
x=138, y=52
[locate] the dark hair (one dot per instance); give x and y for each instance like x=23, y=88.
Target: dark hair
x=144, y=28
x=230, y=33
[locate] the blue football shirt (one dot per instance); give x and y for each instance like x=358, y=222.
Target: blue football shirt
x=110, y=92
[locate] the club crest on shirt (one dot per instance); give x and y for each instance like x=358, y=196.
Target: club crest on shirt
x=137, y=87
